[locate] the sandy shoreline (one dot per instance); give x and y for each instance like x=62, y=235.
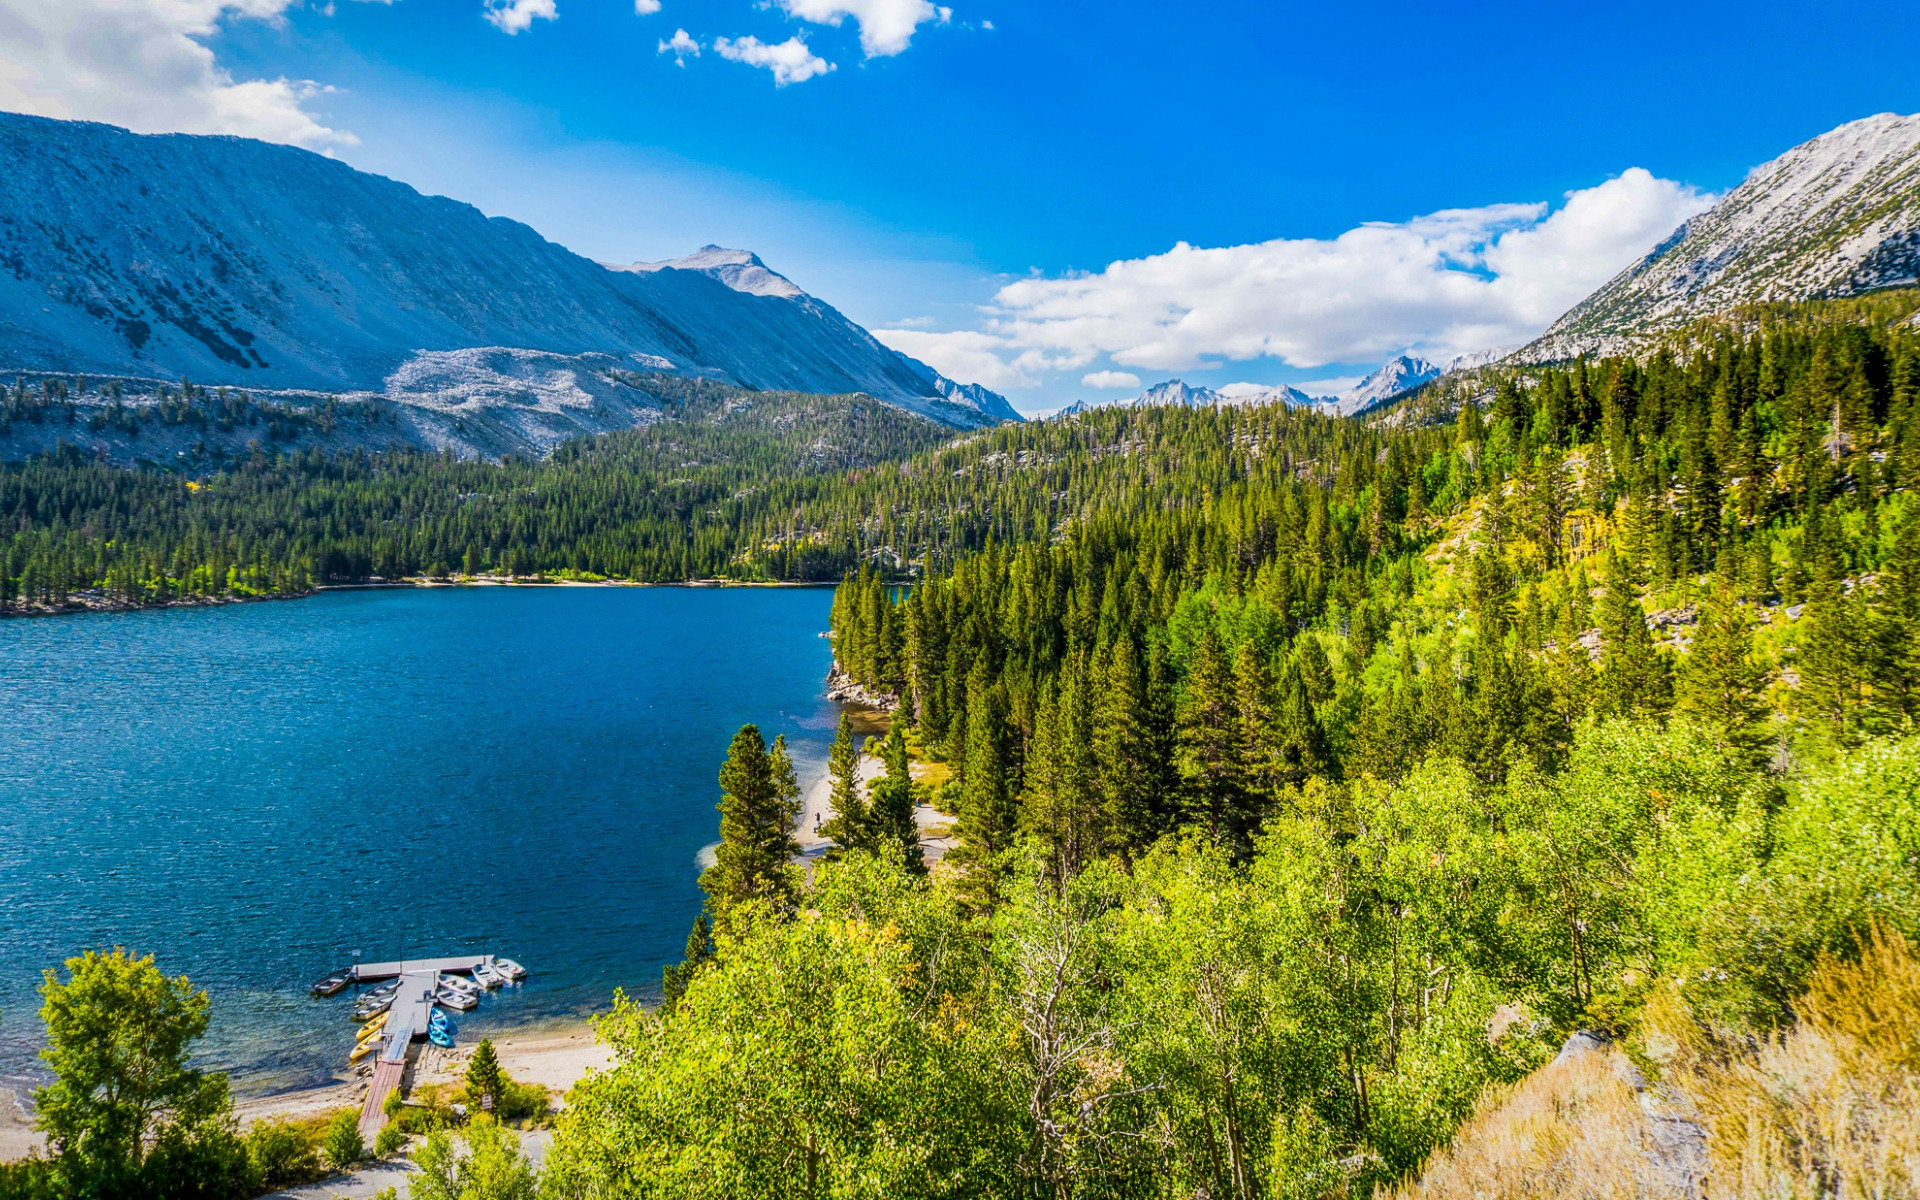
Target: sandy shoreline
x=936, y=828
x=553, y=1055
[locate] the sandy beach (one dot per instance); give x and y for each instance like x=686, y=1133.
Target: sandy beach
x=555, y=1055
x=936, y=827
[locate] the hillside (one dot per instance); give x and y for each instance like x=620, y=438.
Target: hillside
x=239, y=263
x=1836, y=216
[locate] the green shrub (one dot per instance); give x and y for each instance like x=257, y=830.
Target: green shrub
x=281, y=1155
x=342, y=1145
x=388, y=1140
x=31, y=1179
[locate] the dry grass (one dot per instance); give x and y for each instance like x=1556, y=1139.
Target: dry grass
x=1828, y=1109
x=1573, y=1129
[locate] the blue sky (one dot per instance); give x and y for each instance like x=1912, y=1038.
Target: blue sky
x=1019, y=143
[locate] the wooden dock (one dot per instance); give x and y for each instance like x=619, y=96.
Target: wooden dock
x=407, y=1020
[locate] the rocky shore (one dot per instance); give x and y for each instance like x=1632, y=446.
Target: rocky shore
x=841, y=689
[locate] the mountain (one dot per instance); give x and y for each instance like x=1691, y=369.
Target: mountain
x=1400, y=374
x=1836, y=216
x=236, y=262
x=1390, y=379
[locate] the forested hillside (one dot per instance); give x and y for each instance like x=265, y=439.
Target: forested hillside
x=701, y=493
x=1315, y=780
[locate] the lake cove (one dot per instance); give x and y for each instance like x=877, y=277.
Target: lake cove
x=249, y=792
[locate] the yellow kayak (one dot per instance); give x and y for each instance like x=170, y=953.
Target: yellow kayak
x=365, y=1048
x=373, y=1026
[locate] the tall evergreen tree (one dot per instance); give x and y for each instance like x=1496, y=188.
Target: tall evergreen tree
x=988, y=818
x=891, y=810
x=1718, y=685
x=759, y=803
x=851, y=826
x=1212, y=762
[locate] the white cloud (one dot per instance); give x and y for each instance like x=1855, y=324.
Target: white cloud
x=790, y=61
x=886, y=26
x=1110, y=379
x=1329, y=387
x=1442, y=284
x=142, y=64
x=645, y=8
x=517, y=16
x=968, y=356
x=681, y=46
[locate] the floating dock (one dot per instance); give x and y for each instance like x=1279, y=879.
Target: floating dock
x=407, y=1019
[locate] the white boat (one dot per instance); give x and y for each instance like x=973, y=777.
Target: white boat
x=372, y=1006
x=466, y=986
x=511, y=969
x=487, y=975
x=448, y=998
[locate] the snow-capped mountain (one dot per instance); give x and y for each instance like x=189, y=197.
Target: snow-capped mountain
x=1836, y=216
x=1397, y=375
x=1401, y=373
x=232, y=261
x=1179, y=392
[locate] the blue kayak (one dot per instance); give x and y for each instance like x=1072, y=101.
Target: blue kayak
x=439, y=1036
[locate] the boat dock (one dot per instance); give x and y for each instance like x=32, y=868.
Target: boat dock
x=373, y=972
x=407, y=1019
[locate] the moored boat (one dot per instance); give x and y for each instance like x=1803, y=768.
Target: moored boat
x=488, y=976
x=459, y=984
x=370, y=1006
x=334, y=983
x=511, y=969
x=452, y=999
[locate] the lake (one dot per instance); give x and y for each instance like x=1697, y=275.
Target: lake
x=250, y=792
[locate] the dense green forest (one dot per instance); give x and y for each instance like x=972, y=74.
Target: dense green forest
x=709, y=491
x=1313, y=779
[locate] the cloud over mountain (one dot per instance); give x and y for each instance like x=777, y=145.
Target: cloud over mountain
x=1446, y=283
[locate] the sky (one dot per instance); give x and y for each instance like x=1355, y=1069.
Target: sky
x=1059, y=200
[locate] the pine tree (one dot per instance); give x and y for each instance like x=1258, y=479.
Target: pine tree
x=1061, y=805
x=699, y=951
x=759, y=804
x=988, y=817
x=1718, y=685
x=1634, y=678
x=1896, y=619
x=850, y=827
x=1835, y=672
x=1122, y=752
x=483, y=1074
x=891, y=811
x=1210, y=744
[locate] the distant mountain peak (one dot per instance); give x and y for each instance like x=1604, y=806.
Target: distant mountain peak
x=1835, y=216
x=740, y=270
x=1401, y=373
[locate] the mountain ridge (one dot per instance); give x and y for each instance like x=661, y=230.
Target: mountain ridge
x=243, y=263
x=1837, y=215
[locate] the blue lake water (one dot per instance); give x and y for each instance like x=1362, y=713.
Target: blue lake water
x=250, y=792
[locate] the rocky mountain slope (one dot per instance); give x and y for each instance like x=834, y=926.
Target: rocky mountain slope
x=1836, y=216
x=235, y=262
